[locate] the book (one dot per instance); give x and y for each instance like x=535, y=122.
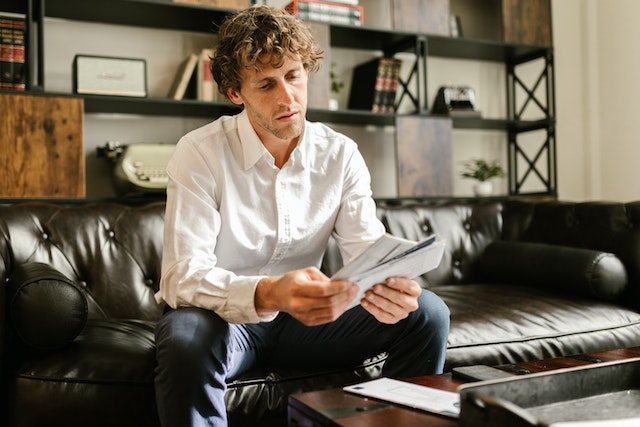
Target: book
x=207, y=87
x=391, y=86
x=349, y=2
x=229, y=4
x=184, y=76
x=19, y=64
x=12, y=53
x=6, y=54
x=371, y=85
x=391, y=256
x=327, y=11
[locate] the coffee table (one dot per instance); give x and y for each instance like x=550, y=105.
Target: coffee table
x=338, y=408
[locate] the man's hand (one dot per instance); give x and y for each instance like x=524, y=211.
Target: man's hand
x=393, y=300
x=308, y=295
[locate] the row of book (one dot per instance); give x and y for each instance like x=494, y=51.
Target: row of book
x=373, y=88
x=12, y=57
x=375, y=84
x=193, y=79
x=343, y=12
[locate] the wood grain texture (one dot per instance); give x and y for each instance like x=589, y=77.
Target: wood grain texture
x=421, y=16
x=527, y=22
x=41, y=146
x=424, y=156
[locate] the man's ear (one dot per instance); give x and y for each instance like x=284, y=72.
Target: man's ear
x=234, y=97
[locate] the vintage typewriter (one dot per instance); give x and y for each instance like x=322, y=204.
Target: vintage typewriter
x=140, y=168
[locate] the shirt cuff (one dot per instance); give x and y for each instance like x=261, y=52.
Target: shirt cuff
x=242, y=307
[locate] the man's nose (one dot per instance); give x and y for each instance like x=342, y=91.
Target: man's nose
x=285, y=93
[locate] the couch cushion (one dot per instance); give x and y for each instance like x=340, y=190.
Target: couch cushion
x=495, y=324
x=577, y=271
x=46, y=309
x=105, y=374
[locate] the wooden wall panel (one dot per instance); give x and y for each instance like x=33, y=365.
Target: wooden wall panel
x=527, y=22
x=421, y=16
x=41, y=146
x=424, y=156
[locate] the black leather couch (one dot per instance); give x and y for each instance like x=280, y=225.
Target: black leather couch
x=523, y=281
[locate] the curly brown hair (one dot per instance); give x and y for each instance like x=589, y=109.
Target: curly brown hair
x=257, y=33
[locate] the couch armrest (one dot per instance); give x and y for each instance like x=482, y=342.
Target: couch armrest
x=576, y=271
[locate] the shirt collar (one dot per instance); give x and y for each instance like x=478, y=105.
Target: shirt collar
x=253, y=149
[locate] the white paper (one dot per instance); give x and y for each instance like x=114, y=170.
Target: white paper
x=625, y=422
x=411, y=395
x=391, y=256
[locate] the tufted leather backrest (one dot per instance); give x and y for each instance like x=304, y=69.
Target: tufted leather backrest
x=113, y=251
x=467, y=228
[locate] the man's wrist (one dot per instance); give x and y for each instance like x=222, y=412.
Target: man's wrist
x=264, y=299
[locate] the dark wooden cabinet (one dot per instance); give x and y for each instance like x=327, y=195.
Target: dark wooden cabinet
x=527, y=22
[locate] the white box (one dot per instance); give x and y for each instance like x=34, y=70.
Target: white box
x=101, y=75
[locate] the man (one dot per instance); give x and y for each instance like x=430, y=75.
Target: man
x=252, y=200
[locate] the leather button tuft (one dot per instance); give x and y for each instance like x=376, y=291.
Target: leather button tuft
x=111, y=234
x=45, y=236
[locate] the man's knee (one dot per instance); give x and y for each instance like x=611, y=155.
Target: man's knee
x=434, y=311
x=190, y=331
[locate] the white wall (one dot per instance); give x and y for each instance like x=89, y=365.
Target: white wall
x=597, y=69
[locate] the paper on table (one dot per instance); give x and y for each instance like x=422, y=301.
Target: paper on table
x=391, y=256
x=625, y=422
x=411, y=395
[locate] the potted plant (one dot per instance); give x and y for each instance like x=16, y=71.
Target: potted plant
x=336, y=87
x=482, y=171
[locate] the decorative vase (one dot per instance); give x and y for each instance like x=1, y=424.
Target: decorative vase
x=484, y=188
x=333, y=104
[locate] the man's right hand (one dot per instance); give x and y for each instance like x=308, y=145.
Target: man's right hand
x=308, y=295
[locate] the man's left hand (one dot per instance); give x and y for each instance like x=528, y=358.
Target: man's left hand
x=393, y=300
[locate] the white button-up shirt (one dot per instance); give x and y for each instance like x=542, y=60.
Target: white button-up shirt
x=233, y=217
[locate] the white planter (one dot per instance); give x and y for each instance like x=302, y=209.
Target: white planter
x=333, y=104
x=484, y=188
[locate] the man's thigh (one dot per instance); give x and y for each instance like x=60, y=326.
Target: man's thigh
x=353, y=337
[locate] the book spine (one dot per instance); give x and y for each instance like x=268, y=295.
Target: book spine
x=206, y=85
x=329, y=19
x=347, y=2
x=18, y=46
x=380, y=87
x=329, y=9
x=183, y=77
x=6, y=54
x=327, y=12
x=393, y=81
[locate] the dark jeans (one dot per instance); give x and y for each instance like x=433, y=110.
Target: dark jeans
x=197, y=352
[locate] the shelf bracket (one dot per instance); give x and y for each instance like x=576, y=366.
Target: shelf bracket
x=527, y=164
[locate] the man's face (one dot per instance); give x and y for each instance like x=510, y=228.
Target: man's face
x=275, y=99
